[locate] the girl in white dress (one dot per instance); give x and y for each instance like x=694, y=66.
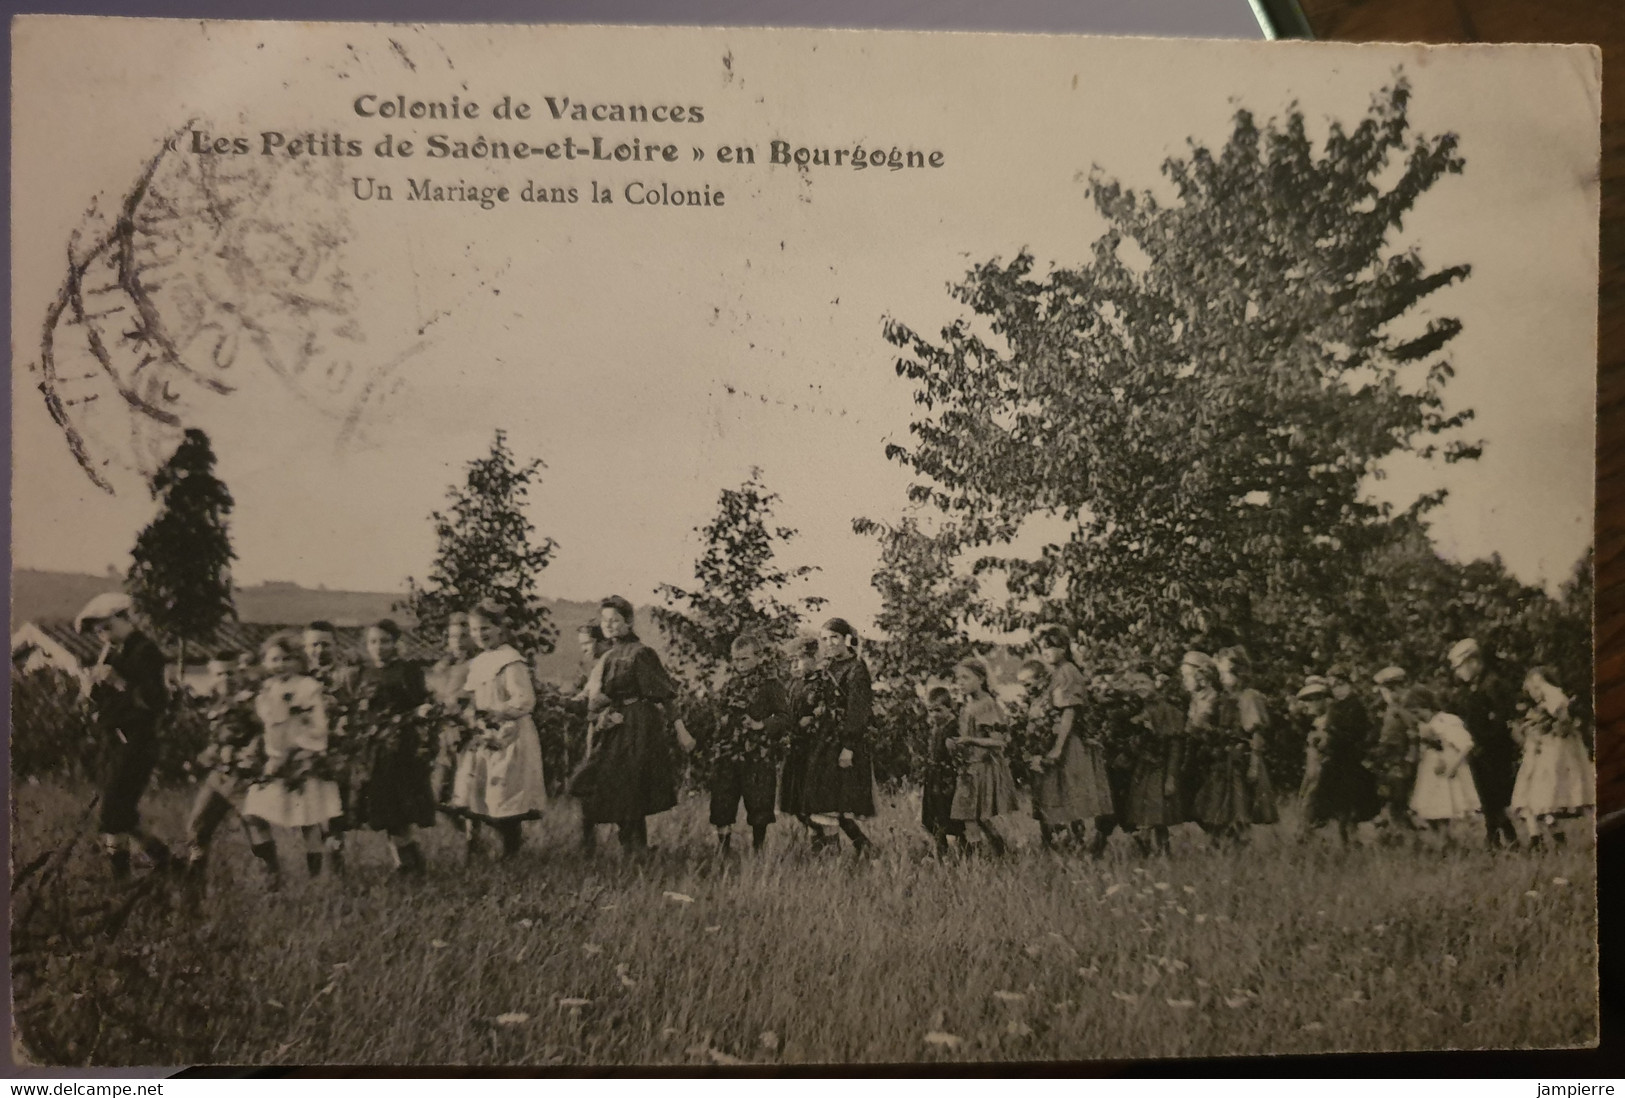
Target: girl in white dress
x=499, y=774
x=1444, y=788
x=291, y=709
x=1555, y=776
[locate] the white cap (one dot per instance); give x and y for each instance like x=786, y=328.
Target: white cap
x=109, y=604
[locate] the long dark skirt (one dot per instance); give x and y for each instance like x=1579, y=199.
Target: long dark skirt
x=1226, y=797
x=397, y=793
x=1346, y=791
x=1149, y=802
x=793, y=782
x=1075, y=788
x=834, y=789
x=630, y=773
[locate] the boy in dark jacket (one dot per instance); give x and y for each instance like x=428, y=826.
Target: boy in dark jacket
x=752, y=730
x=937, y=793
x=128, y=696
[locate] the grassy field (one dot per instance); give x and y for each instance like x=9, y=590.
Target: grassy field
x=784, y=959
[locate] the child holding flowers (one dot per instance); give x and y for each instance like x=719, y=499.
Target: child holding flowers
x=1555, y=777
x=499, y=775
x=937, y=796
x=984, y=789
x=399, y=734
x=1071, y=785
x=293, y=789
x=234, y=754
x=752, y=730
x=1444, y=788
x=807, y=699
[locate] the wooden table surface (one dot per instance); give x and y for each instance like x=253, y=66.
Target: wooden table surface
x=1601, y=22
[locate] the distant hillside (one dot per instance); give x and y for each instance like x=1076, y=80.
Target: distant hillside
x=39, y=595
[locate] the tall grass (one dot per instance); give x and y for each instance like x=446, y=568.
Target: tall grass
x=552, y=959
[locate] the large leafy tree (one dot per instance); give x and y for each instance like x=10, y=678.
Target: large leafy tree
x=486, y=550
x=739, y=585
x=926, y=603
x=1203, y=402
x=180, y=570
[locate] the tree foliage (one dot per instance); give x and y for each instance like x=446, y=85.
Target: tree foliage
x=486, y=551
x=180, y=570
x=1202, y=402
x=926, y=603
x=739, y=585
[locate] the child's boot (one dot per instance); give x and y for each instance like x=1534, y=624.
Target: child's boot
x=512, y=838
x=860, y=842
x=313, y=863
x=758, y=837
x=412, y=861
x=271, y=868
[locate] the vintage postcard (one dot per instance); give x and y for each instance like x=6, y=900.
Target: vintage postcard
x=565, y=545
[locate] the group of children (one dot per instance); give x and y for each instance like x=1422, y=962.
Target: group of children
x=1435, y=759
x=1136, y=763
x=306, y=742
x=806, y=741
x=1122, y=753
x=320, y=748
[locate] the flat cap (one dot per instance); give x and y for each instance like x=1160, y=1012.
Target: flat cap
x=109, y=604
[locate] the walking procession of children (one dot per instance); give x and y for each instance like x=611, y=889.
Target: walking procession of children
x=305, y=743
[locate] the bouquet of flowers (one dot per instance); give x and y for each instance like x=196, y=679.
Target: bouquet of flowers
x=824, y=706
x=474, y=728
x=742, y=736
x=377, y=732
x=235, y=748
x=300, y=766
x=1032, y=731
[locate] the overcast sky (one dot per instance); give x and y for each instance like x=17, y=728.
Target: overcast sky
x=650, y=356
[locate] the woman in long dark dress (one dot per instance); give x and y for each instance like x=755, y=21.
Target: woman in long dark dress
x=630, y=773
x=396, y=791
x=840, y=785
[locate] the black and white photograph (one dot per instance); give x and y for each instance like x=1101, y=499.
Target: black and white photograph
x=586, y=546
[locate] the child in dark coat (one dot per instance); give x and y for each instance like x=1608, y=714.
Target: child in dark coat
x=806, y=696
x=941, y=776
x=752, y=731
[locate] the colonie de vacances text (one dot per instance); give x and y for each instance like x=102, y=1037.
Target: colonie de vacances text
x=638, y=149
